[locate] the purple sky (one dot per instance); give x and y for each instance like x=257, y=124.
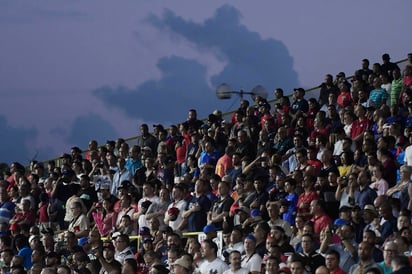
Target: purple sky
x=73, y=70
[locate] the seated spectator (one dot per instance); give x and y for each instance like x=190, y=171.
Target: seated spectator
x=311, y=260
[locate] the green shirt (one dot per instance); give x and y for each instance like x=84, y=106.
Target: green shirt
x=396, y=88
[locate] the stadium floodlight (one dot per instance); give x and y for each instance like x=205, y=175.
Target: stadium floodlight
x=224, y=91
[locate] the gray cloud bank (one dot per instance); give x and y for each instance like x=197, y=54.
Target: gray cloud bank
x=249, y=60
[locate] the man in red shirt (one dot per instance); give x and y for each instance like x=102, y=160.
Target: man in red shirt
x=225, y=164
x=332, y=262
x=360, y=125
x=320, y=219
x=308, y=195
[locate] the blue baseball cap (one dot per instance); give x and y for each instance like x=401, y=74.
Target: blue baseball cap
x=251, y=237
x=82, y=241
x=209, y=228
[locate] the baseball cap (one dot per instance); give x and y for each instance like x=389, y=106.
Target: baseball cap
x=250, y=237
x=255, y=213
x=144, y=230
x=146, y=240
x=340, y=222
x=370, y=208
x=183, y=262
x=82, y=241
x=33, y=237
x=209, y=228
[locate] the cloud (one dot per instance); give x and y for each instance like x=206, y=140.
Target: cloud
x=248, y=61
x=13, y=12
x=15, y=143
x=182, y=86
x=90, y=126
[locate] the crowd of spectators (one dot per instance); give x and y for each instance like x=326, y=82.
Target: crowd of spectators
x=318, y=185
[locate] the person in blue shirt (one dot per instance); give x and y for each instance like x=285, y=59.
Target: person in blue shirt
x=24, y=250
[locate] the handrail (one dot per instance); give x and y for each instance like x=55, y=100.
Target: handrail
x=228, y=112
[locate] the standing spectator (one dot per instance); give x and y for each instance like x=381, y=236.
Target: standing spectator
x=283, y=142
x=219, y=212
x=109, y=217
x=344, y=98
x=126, y=208
x=244, y=145
x=389, y=165
x=309, y=194
x=79, y=225
x=251, y=260
x=365, y=259
x=360, y=125
x=396, y=88
x=387, y=66
x=387, y=220
x=311, y=259
x=6, y=206
x=211, y=263
x=300, y=104
x=196, y=212
x=173, y=216
x=378, y=95
x=24, y=251
x=133, y=162
x=192, y=123
x=320, y=219
x=122, y=174
x=273, y=210
x=235, y=260
x=123, y=250
x=289, y=209
x=364, y=194
x=326, y=89
x=88, y=193
x=146, y=139
x=365, y=71
x=224, y=164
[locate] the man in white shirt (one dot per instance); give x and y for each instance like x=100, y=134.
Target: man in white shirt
x=251, y=260
x=173, y=217
x=235, y=260
x=123, y=251
x=211, y=264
